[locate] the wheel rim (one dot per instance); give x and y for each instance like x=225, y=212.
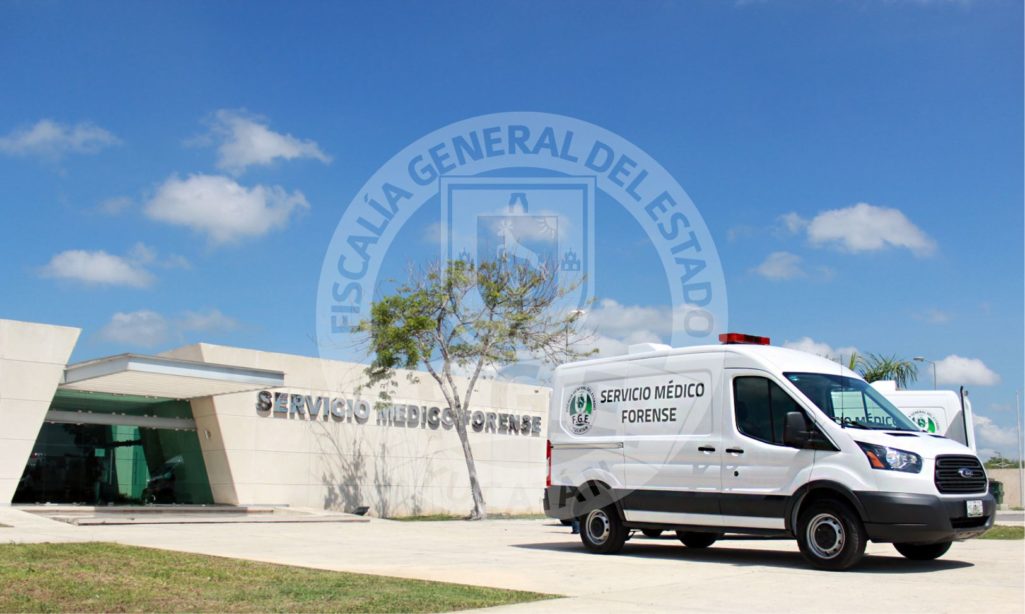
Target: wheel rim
x=597, y=526
x=825, y=536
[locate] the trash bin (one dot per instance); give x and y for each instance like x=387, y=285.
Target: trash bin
x=997, y=488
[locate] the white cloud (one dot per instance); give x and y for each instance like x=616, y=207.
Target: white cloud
x=961, y=371
x=223, y=210
x=147, y=328
x=807, y=344
x=245, y=140
x=143, y=254
x=616, y=326
x=994, y=436
x=933, y=316
x=114, y=206
x=142, y=328
x=50, y=139
x=102, y=269
x=629, y=322
x=865, y=228
x=97, y=268
x=209, y=321
x=780, y=266
x=175, y=261
x=793, y=223
x=431, y=234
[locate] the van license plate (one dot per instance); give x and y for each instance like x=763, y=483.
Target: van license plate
x=974, y=508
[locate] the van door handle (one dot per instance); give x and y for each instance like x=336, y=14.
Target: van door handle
x=706, y=449
x=734, y=451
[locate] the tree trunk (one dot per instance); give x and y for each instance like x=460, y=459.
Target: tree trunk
x=479, y=512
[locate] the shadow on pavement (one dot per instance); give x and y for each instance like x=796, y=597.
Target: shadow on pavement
x=723, y=554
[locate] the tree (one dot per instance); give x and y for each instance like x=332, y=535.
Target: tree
x=997, y=461
x=436, y=321
x=876, y=367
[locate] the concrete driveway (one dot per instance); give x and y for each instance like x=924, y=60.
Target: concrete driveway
x=740, y=575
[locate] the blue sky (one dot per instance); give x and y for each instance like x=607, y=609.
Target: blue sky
x=793, y=126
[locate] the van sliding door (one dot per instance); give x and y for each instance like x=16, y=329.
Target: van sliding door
x=671, y=439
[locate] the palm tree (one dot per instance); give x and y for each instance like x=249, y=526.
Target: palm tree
x=875, y=367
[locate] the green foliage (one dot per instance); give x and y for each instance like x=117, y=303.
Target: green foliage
x=876, y=367
x=999, y=462
x=436, y=318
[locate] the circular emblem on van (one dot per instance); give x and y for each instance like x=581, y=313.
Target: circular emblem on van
x=581, y=410
x=966, y=472
x=924, y=420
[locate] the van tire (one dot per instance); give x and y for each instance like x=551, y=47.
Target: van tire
x=694, y=539
x=923, y=552
x=602, y=531
x=830, y=535
x=652, y=532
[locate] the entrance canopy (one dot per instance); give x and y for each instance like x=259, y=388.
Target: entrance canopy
x=169, y=378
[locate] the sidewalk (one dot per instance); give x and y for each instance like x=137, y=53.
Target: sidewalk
x=653, y=575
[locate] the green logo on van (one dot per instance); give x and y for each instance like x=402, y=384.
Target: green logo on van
x=924, y=421
x=581, y=410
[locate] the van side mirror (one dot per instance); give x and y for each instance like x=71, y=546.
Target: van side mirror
x=795, y=430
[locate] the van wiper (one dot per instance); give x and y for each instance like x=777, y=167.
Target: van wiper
x=847, y=422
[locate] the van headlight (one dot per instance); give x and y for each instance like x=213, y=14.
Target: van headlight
x=882, y=457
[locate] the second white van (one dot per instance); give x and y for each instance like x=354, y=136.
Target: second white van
x=753, y=439
x=944, y=412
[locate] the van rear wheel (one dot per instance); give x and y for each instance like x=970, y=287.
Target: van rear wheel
x=694, y=539
x=602, y=531
x=831, y=535
x=923, y=552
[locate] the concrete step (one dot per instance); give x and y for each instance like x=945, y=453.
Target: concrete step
x=87, y=515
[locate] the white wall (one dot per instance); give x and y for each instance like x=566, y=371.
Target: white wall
x=272, y=458
x=32, y=361
x=1012, y=485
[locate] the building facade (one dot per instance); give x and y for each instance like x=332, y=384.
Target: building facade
x=215, y=424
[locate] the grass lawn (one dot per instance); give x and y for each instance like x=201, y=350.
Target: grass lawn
x=1000, y=531
x=100, y=577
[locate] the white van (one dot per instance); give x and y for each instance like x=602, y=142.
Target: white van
x=748, y=438
x=943, y=412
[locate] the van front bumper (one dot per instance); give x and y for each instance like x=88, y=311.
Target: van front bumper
x=923, y=519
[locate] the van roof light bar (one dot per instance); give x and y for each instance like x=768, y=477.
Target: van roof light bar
x=741, y=338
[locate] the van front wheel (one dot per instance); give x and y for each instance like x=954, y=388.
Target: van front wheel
x=831, y=535
x=923, y=552
x=602, y=531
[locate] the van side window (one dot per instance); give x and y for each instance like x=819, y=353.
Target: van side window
x=761, y=407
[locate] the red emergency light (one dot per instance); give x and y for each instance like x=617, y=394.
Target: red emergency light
x=741, y=338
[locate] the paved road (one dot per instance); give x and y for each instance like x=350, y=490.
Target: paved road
x=984, y=576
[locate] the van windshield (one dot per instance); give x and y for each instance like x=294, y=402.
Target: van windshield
x=851, y=402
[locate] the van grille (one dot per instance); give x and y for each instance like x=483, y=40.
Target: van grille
x=949, y=479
